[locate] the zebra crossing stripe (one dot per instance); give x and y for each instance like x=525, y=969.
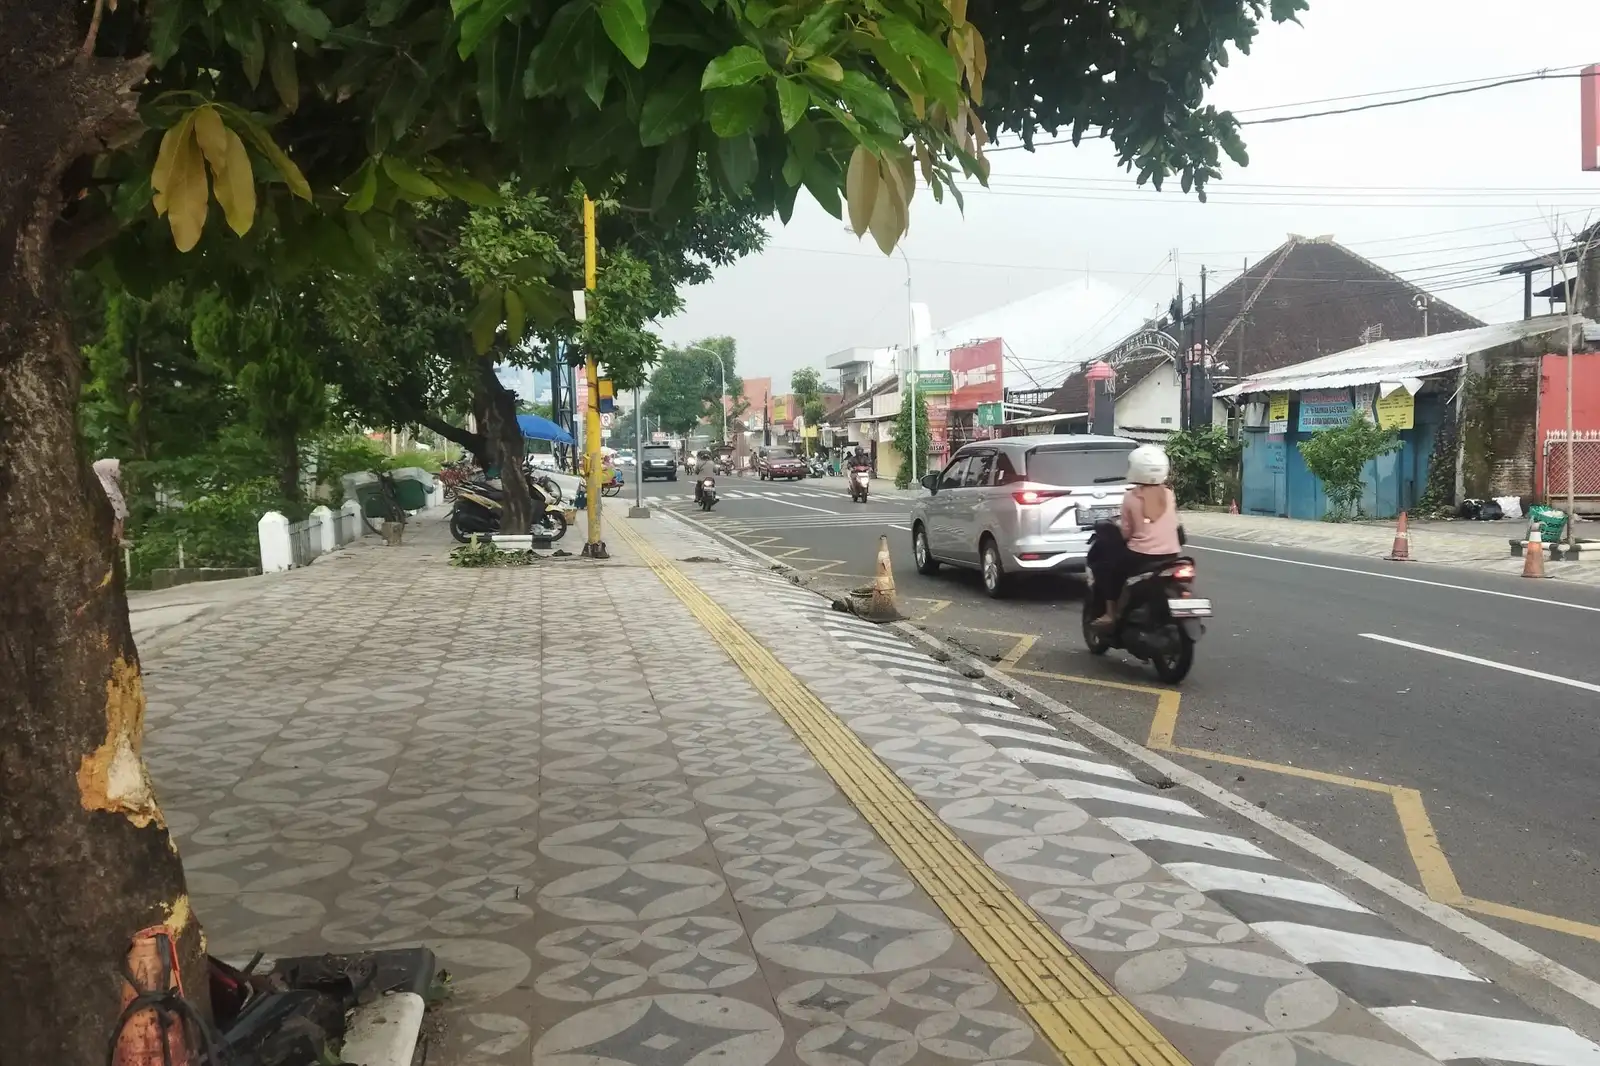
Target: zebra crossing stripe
x=940, y=690
x=1311, y=944
x=1448, y=1034
x=1136, y=829
x=1029, y=757
x=983, y=729
x=1206, y=877
x=1073, y=789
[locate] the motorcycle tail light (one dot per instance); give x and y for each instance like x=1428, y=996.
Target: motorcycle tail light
x=1184, y=572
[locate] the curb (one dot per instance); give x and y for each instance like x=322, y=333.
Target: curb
x=1498, y=944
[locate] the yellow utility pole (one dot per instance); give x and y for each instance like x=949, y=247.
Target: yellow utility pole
x=595, y=548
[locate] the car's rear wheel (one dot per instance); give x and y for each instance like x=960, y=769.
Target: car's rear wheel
x=995, y=580
x=926, y=563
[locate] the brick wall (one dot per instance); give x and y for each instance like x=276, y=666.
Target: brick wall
x=1500, y=422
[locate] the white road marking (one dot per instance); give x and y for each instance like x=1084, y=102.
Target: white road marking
x=1205, y=877
x=906, y=528
x=802, y=506
x=983, y=729
x=1570, y=682
x=1312, y=944
x=1066, y=762
x=895, y=660
x=1446, y=1034
x=1139, y=829
x=1007, y=716
x=939, y=690
x=1092, y=790
x=906, y=673
x=1399, y=577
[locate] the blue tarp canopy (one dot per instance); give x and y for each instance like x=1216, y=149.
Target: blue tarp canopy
x=536, y=427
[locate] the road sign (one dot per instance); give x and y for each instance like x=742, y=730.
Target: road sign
x=658, y=437
x=932, y=381
x=991, y=414
x=606, y=419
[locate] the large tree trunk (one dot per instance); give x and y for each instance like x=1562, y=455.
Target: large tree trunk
x=85, y=858
x=505, y=440
x=288, y=464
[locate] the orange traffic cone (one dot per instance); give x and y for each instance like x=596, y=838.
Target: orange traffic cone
x=1401, y=552
x=1533, y=554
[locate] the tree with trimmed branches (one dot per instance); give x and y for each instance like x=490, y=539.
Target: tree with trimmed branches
x=248, y=142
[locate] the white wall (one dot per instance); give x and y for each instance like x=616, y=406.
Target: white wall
x=1155, y=405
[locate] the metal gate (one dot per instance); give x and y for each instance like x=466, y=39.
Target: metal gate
x=1585, y=463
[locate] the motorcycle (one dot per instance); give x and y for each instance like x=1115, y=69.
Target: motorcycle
x=1159, y=619
x=478, y=507
x=817, y=467
x=860, y=478
x=705, y=493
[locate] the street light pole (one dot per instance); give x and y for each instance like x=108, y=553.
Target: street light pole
x=722, y=369
x=911, y=346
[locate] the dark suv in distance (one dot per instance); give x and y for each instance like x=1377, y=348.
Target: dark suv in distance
x=775, y=463
x=658, y=461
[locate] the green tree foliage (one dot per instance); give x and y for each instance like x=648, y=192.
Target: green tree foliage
x=921, y=435
x=806, y=384
x=1338, y=457
x=686, y=387
x=1201, y=460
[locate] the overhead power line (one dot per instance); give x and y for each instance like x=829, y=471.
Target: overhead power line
x=1539, y=75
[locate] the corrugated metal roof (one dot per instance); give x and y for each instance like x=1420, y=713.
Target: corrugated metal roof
x=1417, y=357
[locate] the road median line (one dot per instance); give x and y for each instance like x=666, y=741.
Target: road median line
x=1078, y=1012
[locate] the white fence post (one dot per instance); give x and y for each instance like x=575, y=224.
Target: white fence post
x=350, y=516
x=327, y=535
x=435, y=493
x=277, y=555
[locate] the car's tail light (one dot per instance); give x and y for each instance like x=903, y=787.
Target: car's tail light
x=1032, y=496
x=1182, y=572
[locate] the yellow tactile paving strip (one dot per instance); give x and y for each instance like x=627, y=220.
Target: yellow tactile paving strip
x=1080, y=1015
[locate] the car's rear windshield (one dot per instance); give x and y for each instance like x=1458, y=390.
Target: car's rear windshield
x=779, y=453
x=1070, y=467
x=658, y=453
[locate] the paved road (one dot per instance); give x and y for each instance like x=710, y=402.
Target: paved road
x=1292, y=679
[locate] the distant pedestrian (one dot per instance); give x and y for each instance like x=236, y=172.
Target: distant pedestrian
x=109, y=471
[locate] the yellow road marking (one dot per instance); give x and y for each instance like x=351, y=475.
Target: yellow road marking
x=1078, y=1013
x=1024, y=644
x=1438, y=878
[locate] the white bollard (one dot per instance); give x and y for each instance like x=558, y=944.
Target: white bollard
x=435, y=494
x=277, y=555
x=327, y=535
x=350, y=515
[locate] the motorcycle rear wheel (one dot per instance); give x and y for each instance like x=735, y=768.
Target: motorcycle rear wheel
x=1173, y=666
x=553, y=526
x=455, y=528
x=1093, y=639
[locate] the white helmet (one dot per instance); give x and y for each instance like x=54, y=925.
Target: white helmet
x=1148, y=465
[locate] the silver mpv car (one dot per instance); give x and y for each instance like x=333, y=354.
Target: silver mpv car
x=1019, y=505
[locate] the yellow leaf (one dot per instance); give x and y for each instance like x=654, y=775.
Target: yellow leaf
x=861, y=188
x=235, y=186
x=958, y=11
x=979, y=67
x=925, y=158
x=208, y=132
x=185, y=194
x=162, y=174
x=888, y=217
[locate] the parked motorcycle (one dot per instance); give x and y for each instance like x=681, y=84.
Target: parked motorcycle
x=705, y=493
x=860, y=478
x=817, y=467
x=479, y=505
x=1159, y=619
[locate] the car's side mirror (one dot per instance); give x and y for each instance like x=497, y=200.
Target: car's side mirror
x=930, y=482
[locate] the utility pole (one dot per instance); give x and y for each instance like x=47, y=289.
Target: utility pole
x=639, y=510
x=594, y=547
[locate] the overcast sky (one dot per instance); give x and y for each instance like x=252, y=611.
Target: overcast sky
x=1441, y=191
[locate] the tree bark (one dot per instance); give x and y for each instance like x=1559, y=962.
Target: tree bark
x=505, y=440
x=472, y=442
x=86, y=860
x=289, y=464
